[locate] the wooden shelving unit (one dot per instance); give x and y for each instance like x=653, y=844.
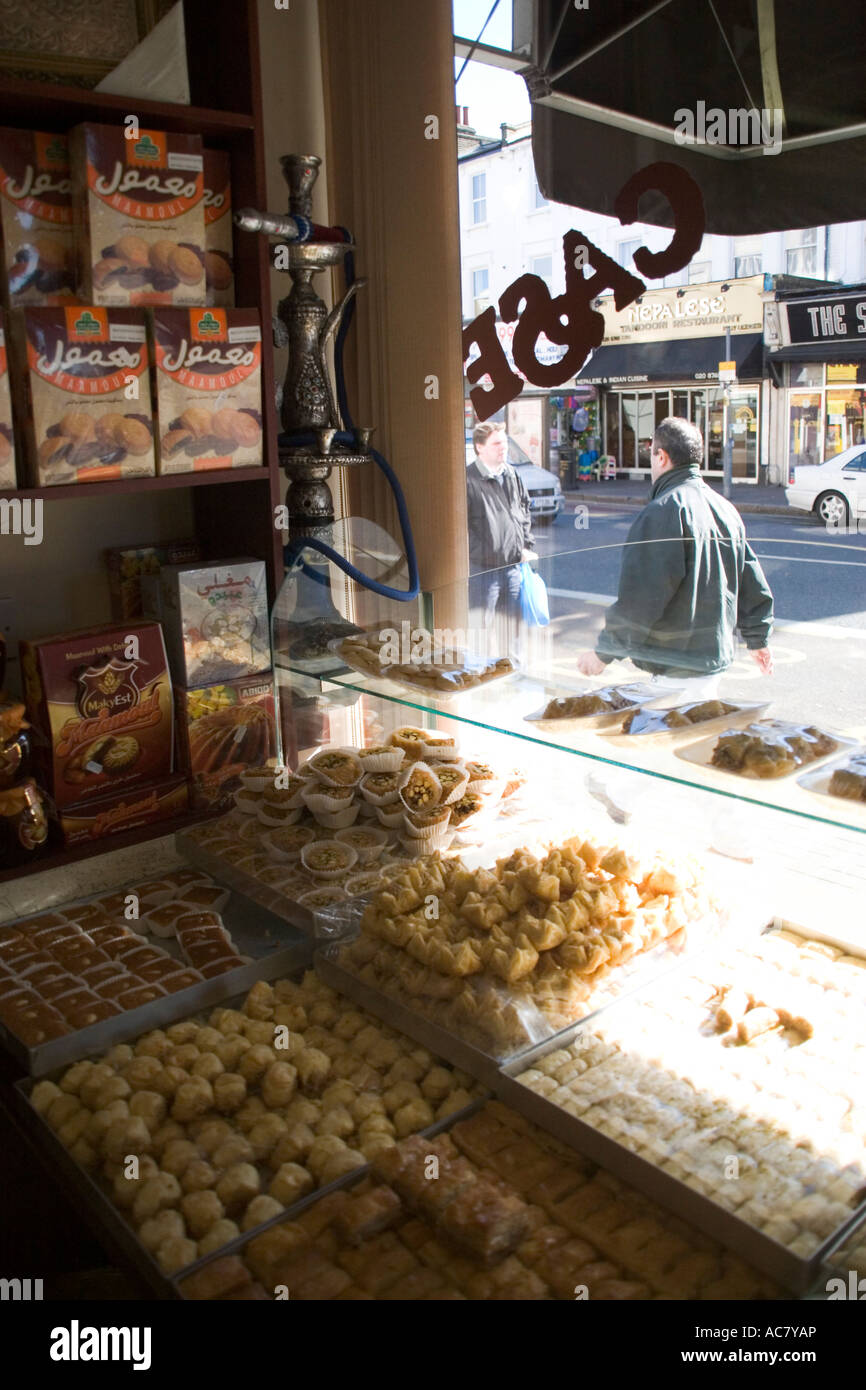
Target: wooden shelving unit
x=232, y=509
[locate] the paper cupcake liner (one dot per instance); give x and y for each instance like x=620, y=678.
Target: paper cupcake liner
x=389, y=761
x=366, y=853
x=267, y=817
x=258, y=779
x=281, y=796
x=326, y=777
x=418, y=848
x=366, y=811
x=348, y=861
x=338, y=820
x=424, y=770
x=316, y=898
x=283, y=854
x=426, y=832
x=247, y=802
x=449, y=797
x=321, y=799
x=367, y=882
x=442, y=752
x=392, y=817
x=380, y=798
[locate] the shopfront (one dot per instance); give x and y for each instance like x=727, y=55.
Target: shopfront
x=661, y=357
x=817, y=358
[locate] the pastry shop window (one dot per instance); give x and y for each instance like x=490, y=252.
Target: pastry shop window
x=829, y=418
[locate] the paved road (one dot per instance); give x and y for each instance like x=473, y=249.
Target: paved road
x=819, y=582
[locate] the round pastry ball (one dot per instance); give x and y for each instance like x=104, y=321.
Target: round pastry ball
x=418, y=1114
x=250, y=1113
x=322, y=1014
x=340, y=1164
x=84, y=1155
x=338, y=1093
x=237, y=1149
x=75, y=1128
x=150, y=1106
x=126, y=1138
x=227, y=1021
x=290, y=1183
x=43, y=1095
x=154, y=1194
x=265, y=1134
x=211, y=1134
x=163, y=1136
x=287, y=1043
x=119, y=1055
x=166, y=1225
x=365, y=1105
x=125, y=1188
x=208, y=1038
x=260, y=1001
x=260, y=1209
x=373, y=1144
x=229, y=1092
x=183, y=1055
x=259, y=1032
x=207, y=1065
x=93, y=1083
x=303, y=1111
x=176, y=1254
x=404, y=1069
x=73, y=1079
x=237, y=1186
x=193, y=1098
x=198, y=1176
x=231, y=1050
x=102, y=1120
x=168, y=1080
x=255, y=1062
x=293, y=1145
x=116, y=1088
x=62, y=1109
x=436, y=1084
x=383, y=1054
x=402, y=1093
x=154, y=1044
x=313, y=1068
x=348, y=1024
x=336, y=1121
x=454, y=1101
x=200, y=1211
x=184, y=1032
x=220, y=1233
x=278, y=1084
x=177, y=1155
x=325, y=1147
x=142, y=1072
x=376, y=1124
x=293, y=1016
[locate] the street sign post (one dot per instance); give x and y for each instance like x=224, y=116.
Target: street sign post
x=727, y=374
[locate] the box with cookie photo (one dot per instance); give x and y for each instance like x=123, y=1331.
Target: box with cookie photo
x=102, y=702
x=83, y=391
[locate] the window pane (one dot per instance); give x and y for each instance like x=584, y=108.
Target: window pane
x=804, y=428
x=611, y=437
x=805, y=374
x=540, y=200
x=802, y=260
x=844, y=423
x=700, y=271
x=746, y=265
x=629, y=426
x=645, y=428
x=681, y=405
x=662, y=406
x=625, y=250
x=542, y=266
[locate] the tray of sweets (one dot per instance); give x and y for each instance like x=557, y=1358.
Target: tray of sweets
x=82, y=951
x=713, y=1097
x=592, y=708
x=229, y=1126
x=647, y=726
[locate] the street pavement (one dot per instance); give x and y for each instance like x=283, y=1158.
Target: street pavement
x=818, y=580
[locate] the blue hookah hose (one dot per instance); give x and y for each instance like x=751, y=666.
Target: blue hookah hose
x=301, y=543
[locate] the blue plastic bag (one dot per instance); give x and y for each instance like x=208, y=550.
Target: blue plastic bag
x=534, y=607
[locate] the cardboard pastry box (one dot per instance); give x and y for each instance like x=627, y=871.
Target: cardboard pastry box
x=221, y=730
x=214, y=617
x=122, y=811
x=103, y=701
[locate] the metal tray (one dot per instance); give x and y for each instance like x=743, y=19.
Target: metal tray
x=109, y=1220
x=255, y=932
x=290, y=1213
x=793, y=1271
x=742, y=714
x=640, y=693
x=270, y=899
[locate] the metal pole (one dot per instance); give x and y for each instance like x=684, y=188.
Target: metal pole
x=726, y=450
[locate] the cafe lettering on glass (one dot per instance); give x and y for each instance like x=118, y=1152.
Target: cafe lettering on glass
x=568, y=320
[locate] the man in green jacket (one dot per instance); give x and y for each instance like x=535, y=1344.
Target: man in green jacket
x=689, y=580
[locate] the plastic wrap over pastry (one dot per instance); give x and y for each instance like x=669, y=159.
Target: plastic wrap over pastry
x=593, y=708
x=655, y=721
x=415, y=659
x=771, y=748
x=849, y=781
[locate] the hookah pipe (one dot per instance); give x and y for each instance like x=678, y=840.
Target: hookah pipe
x=301, y=229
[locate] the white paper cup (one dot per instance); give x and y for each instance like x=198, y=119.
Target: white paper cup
x=348, y=859
x=338, y=820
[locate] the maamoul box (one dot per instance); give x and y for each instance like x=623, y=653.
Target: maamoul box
x=208, y=388
x=7, y=437
x=218, y=243
x=85, y=387
x=36, y=218
x=139, y=215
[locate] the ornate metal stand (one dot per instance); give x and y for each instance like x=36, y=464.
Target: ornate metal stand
x=303, y=324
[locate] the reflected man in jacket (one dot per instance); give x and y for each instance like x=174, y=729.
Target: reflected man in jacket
x=500, y=528
x=689, y=580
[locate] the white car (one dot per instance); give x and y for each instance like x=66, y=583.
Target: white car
x=834, y=490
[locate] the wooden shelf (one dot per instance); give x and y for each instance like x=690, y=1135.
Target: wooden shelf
x=42, y=105
x=76, y=853
x=162, y=483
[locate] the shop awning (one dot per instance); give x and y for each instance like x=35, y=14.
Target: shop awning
x=844, y=350
x=616, y=86
x=685, y=359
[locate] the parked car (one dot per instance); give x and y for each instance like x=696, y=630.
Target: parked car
x=545, y=494
x=834, y=490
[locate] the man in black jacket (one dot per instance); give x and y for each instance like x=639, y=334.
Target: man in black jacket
x=689, y=580
x=500, y=528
